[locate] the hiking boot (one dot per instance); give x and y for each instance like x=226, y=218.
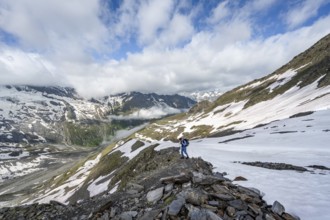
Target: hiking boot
x=182, y=158
x=187, y=157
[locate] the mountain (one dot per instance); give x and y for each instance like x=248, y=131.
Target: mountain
x=31, y=114
x=47, y=129
x=272, y=133
x=200, y=96
x=302, y=85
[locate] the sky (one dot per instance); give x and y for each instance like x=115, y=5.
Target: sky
x=103, y=47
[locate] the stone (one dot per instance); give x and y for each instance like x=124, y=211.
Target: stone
x=220, y=189
x=175, y=207
x=230, y=211
x=269, y=217
x=132, y=191
x=214, y=203
x=203, y=214
x=240, y=178
x=223, y=197
x=186, y=185
x=208, y=207
x=125, y=216
x=155, y=195
x=195, y=197
x=134, y=186
x=287, y=216
x=182, y=178
x=238, y=204
x=169, y=187
x=278, y=208
x=201, y=179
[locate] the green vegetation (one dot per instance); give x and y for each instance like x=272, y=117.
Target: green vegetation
x=152, y=132
x=93, y=133
x=200, y=131
x=84, y=134
x=108, y=163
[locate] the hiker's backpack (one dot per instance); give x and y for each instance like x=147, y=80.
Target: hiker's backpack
x=186, y=141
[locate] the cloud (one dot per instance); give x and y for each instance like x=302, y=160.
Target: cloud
x=219, y=12
x=63, y=28
x=153, y=17
x=302, y=12
x=177, y=46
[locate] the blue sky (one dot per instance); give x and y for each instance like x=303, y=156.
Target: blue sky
x=103, y=47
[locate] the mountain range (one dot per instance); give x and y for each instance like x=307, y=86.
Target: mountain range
x=276, y=119
x=31, y=115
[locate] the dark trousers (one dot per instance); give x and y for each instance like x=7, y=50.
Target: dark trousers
x=184, y=151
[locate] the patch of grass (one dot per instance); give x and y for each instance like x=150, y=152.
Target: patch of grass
x=108, y=163
x=169, y=200
x=152, y=132
x=200, y=131
x=84, y=135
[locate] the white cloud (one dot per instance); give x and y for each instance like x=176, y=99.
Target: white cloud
x=153, y=16
x=218, y=13
x=303, y=11
x=67, y=28
x=179, y=29
x=176, y=54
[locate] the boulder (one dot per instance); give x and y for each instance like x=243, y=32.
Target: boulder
x=155, y=195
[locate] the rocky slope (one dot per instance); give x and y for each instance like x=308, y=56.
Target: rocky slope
x=168, y=188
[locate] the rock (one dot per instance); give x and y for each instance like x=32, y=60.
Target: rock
x=278, y=208
x=125, y=216
x=213, y=203
x=186, y=185
x=152, y=214
x=220, y=189
x=175, y=207
x=287, y=216
x=134, y=186
x=195, y=197
x=169, y=187
x=240, y=178
x=201, y=179
x=238, y=204
x=223, y=197
x=155, y=195
x=203, y=214
x=182, y=178
x=230, y=211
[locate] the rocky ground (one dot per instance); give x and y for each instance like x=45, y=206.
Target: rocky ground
x=179, y=189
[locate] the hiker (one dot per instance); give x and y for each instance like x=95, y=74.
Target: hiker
x=184, y=143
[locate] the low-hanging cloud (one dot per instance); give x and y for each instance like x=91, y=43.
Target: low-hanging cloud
x=142, y=46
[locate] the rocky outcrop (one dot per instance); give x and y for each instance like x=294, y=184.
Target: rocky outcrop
x=182, y=189
x=276, y=166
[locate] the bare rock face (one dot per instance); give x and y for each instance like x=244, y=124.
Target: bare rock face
x=181, y=189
